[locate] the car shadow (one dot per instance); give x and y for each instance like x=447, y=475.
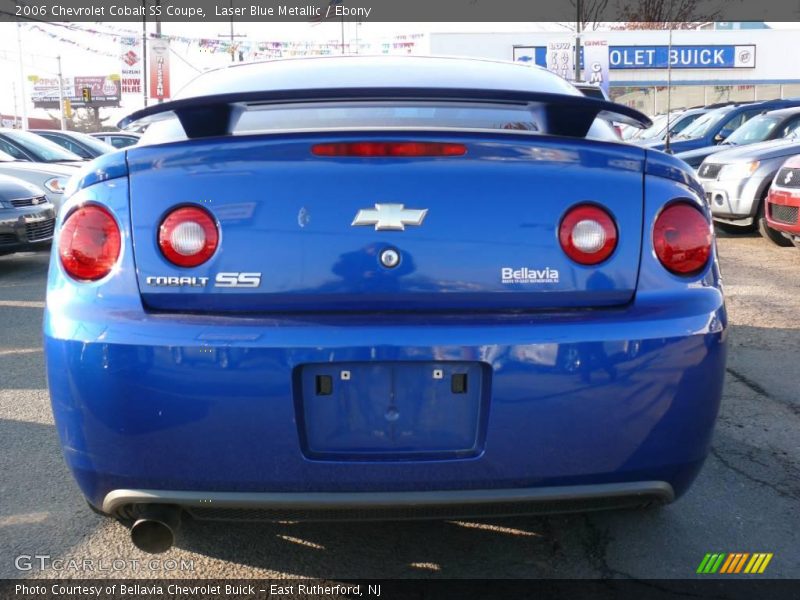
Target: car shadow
x=745, y=234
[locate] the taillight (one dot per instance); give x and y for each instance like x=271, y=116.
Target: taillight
x=389, y=149
x=89, y=243
x=682, y=239
x=588, y=234
x=188, y=236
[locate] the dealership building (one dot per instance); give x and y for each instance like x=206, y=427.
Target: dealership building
x=706, y=66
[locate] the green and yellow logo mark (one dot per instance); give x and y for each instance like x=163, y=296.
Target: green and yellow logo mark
x=737, y=562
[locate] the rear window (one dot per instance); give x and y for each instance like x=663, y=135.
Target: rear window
x=395, y=115
x=704, y=124
x=755, y=130
x=120, y=141
x=40, y=148
x=92, y=142
x=66, y=143
x=684, y=122
x=658, y=126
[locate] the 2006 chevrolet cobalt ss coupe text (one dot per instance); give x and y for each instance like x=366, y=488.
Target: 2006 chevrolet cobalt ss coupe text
x=382, y=288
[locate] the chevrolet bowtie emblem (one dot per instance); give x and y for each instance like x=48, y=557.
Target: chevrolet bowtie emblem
x=390, y=217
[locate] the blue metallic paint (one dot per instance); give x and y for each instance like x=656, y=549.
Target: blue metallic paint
x=104, y=167
x=206, y=402
x=291, y=220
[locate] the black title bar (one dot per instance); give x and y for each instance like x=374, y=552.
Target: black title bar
x=200, y=11
x=733, y=588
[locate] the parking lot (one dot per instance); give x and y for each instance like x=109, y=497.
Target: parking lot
x=747, y=498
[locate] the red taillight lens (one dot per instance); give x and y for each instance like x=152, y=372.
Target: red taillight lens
x=390, y=149
x=588, y=234
x=89, y=243
x=188, y=236
x=682, y=239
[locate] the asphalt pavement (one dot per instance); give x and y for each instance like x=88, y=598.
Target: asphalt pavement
x=746, y=499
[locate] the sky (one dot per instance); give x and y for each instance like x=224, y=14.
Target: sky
x=41, y=43
x=85, y=53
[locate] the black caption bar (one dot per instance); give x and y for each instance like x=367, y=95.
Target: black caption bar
x=734, y=588
x=406, y=10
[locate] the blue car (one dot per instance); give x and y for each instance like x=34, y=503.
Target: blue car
x=379, y=288
x=715, y=126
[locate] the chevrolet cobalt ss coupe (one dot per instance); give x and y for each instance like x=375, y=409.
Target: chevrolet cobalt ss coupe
x=379, y=288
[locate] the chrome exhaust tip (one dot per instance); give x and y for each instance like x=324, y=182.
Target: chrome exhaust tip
x=155, y=528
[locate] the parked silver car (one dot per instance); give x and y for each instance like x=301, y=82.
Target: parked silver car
x=736, y=184
x=50, y=177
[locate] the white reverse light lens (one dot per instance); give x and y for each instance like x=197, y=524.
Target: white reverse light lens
x=188, y=238
x=588, y=236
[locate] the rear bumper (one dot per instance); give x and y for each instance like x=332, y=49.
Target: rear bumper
x=394, y=505
x=577, y=399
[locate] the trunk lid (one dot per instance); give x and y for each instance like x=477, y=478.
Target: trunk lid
x=488, y=239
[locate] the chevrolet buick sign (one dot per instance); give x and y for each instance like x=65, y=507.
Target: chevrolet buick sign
x=682, y=57
x=655, y=57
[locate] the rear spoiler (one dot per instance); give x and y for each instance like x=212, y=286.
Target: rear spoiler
x=217, y=115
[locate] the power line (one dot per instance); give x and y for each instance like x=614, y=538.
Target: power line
x=127, y=33
x=14, y=56
x=186, y=62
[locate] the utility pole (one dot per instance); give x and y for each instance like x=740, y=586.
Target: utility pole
x=22, y=78
x=14, y=92
x=230, y=4
x=669, y=90
x=232, y=35
x=144, y=50
x=158, y=33
x=579, y=8
x=63, y=119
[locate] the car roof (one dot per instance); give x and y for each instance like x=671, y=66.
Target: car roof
x=376, y=72
x=56, y=131
x=784, y=112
